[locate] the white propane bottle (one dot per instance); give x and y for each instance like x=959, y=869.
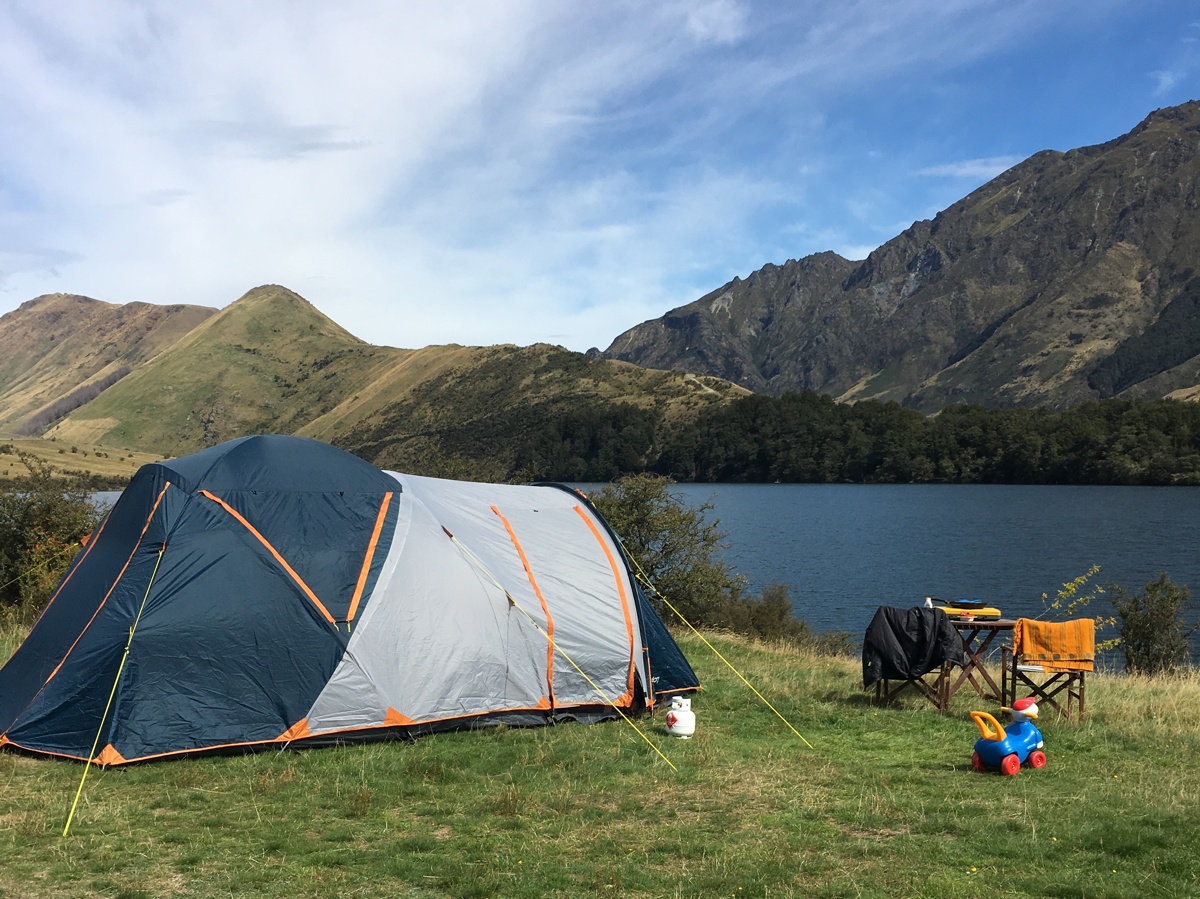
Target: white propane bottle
x=681, y=720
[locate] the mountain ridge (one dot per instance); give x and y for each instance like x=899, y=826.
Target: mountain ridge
x=1009, y=297
x=1067, y=278
x=272, y=362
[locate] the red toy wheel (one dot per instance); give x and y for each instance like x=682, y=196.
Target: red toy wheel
x=977, y=762
x=1037, y=759
x=1010, y=765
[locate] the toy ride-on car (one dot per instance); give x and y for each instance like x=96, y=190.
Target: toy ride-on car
x=1006, y=749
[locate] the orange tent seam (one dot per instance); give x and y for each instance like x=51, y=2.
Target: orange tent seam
x=366, y=566
x=541, y=599
x=616, y=572
x=274, y=552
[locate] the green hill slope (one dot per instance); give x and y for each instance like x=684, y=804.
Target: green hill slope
x=271, y=363
x=504, y=411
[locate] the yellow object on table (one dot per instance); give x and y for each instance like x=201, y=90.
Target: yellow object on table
x=986, y=612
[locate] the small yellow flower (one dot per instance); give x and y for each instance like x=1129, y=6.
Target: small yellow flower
x=1054, y=839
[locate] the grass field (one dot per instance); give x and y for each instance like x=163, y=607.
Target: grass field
x=73, y=458
x=884, y=805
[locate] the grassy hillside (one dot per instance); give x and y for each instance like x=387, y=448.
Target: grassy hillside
x=268, y=363
x=478, y=412
x=271, y=363
x=55, y=345
x=884, y=804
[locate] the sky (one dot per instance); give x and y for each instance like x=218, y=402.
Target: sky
x=528, y=171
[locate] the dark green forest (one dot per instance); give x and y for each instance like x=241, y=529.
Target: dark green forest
x=809, y=438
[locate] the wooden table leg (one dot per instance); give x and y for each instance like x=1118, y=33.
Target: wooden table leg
x=975, y=664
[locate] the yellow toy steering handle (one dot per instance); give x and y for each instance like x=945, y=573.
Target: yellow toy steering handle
x=989, y=727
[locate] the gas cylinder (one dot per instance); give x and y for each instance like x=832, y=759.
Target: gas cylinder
x=681, y=720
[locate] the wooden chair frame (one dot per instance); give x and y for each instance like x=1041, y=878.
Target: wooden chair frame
x=1046, y=687
x=935, y=690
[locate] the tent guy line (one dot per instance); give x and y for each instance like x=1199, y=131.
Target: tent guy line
x=473, y=558
x=645, y=580
x=113, y=692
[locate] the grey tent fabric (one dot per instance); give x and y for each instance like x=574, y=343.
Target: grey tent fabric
x=529, y=608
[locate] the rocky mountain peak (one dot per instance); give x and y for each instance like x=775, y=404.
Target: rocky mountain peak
x=1016, y=295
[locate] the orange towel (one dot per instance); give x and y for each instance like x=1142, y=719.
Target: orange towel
x=1056, y=645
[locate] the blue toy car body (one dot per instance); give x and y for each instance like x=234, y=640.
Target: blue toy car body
x=1006, y=749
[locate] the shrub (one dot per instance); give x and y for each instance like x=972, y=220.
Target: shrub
x=42, y=519
x=676, y=547
x=1153, y=631
x=770, y=617
x=1073, y=597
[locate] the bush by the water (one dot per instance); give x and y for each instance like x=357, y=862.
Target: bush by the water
x=770, y=617
x=1154, y=632
x=42, y=518
x=677, y=549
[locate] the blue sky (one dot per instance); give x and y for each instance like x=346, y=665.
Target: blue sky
x=528, y=170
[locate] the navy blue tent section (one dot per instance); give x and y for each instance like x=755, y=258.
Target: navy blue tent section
x=278, y=590
x=670, y=671
x=292, y=517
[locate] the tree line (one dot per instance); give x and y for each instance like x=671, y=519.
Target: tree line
x=810, y=438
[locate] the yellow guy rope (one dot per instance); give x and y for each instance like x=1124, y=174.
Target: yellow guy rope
x=483, y=568
x=133, y=627
x=45, y=563
x=646, y=580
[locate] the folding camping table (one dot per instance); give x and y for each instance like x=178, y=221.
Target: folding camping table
x=977, y=637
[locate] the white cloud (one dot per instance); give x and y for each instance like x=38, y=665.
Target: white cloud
x=975, y=169
x=1164, y=81
x=474, y=172
x=720, y=21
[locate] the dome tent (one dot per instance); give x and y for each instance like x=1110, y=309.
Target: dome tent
x=275, y=590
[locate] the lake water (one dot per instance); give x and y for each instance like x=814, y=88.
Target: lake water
x=844, y=550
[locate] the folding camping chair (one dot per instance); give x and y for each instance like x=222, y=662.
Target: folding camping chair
x=915, y=648
x=1050, y=660
x=932, y=685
